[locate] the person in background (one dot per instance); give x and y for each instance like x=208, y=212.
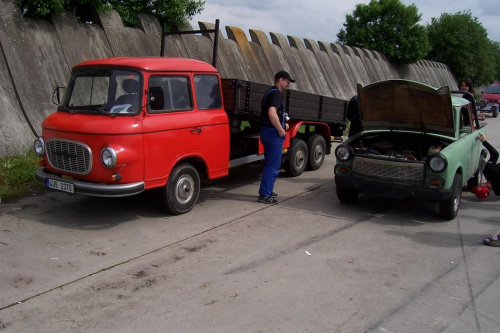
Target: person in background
x=466, y=85
x=353, y=113
x=491, y=172
x=272, y=135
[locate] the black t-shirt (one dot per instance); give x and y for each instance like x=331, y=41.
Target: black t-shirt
x=492, y=170
x=273, y=98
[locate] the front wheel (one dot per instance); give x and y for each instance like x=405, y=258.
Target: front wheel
x=317, y=148
x=347, y=195
x=448, y=209
x=182, y=190
x=297, y=158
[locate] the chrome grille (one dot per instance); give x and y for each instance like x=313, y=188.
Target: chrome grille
x=70, y=156
x=403, y=171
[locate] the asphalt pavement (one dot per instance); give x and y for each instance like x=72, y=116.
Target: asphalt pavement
x=72, y=263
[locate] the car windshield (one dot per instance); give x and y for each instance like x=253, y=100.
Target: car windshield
x=103, y=90
x=493, y=89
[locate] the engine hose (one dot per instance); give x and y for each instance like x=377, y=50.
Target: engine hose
x=17, y=93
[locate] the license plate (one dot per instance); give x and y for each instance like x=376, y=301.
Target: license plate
x=59, y=185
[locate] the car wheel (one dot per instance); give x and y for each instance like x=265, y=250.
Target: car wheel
x=297, y=158
x=448, y=209
x=317, y=148
x=347, y=195
x=182, y=190
x=494, y=113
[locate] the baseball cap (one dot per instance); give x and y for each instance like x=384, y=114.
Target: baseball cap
x=482, y=191
x=283, y=75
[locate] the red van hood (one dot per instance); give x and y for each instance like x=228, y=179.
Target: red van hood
x=406, y=105
x=79, y=123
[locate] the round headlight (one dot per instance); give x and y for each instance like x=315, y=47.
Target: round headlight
x=108, y=157
x=39, y=146
x=438, y=163
x=343, y=153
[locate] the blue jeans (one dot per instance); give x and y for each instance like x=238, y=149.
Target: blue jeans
x=273, y=151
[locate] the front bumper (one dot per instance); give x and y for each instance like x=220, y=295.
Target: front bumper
x=393, y=191
x=94, y=189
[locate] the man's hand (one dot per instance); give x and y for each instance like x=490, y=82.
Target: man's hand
x=482, y=137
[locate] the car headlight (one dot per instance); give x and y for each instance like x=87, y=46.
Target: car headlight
x=39, y=146
x=438, y=163
x=108, y=157
x=343, y=153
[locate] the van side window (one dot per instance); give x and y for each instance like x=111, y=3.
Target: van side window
x=176, y=93
x=207, y=92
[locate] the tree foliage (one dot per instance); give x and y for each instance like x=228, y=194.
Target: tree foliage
x=387, y=26
x=461, y=42
x=173, y=13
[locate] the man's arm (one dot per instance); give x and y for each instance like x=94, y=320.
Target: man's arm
x=493, y=152
x=275, y=120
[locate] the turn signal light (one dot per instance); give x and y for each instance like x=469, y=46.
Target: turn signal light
x=436, y=182
x=116, y=177
x=343, y=170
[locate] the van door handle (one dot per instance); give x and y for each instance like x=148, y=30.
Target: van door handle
x=198, y=130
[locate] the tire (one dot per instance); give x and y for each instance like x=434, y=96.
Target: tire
x=297, y=158
x=494, y=113
x=182, y=190
x=317, y=149
x=347, y=195
x=448, y=209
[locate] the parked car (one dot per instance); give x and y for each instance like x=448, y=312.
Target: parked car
x=416, y=142
x=490, y=100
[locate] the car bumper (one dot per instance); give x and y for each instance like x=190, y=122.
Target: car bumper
x=93, y=189
x=393, y=191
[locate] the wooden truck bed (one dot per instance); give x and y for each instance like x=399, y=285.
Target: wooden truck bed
x=244, y=97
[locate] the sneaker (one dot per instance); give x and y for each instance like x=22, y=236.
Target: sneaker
x=267, y=200
x=274, y=195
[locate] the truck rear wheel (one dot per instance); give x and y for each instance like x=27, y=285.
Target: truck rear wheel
x=448, y=209
x=297, y=158
x=182, y=190
x=317, y=148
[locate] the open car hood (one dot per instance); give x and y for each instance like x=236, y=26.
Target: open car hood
x=406, y=105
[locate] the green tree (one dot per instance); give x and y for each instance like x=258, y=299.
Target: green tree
x=460, y=41
x=387, y=26
x=173, y=13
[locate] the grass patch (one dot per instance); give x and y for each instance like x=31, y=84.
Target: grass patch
x=17, y=176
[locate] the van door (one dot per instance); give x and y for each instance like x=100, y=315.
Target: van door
x=171, y=128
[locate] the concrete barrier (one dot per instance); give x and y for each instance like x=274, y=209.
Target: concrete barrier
x=37, y=56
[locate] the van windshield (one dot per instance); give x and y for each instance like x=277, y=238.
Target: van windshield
x=103, y=90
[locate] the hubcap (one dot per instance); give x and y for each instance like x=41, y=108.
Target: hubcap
x=184, y=189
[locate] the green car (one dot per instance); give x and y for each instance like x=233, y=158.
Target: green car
x=416, y=142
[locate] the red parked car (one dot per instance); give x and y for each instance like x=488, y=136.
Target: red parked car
x=490, y=100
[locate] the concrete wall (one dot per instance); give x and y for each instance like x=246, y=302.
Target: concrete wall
x=37, y=56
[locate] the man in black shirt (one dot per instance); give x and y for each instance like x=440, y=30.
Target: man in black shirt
x=492, y=174
x=272, y=135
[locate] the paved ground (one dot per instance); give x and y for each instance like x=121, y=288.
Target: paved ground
x=309, y=264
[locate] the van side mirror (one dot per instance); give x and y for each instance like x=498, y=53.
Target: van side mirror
x=57, y=95
x=156, y=101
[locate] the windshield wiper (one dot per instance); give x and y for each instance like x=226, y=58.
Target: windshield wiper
x=66, y=109
x=105, y=112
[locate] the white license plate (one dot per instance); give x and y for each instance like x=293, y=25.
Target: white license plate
x=59, y=185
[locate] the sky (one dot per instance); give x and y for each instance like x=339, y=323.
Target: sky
x=321, y=20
